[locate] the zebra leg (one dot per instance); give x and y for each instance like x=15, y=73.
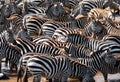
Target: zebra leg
x=2, y=75
x=5, y=65
x=37, y=78
x=88, y=77
x=25, y=77
x=105, y=77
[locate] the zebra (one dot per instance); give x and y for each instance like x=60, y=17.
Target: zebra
x=16, y=23
x=33, y=24
x=49, y=27
x=9, y=10
x=37, y=10
x=54, y=43
x=44, y=49
x=79, y=51
x=41, y=39
x=7, y=36
x=99, y=14
x=78, y=70
x=6, y=50
x=26, y=46
x=95, y=30
x=72, y=4
x=55, y=61
x=96, y=45
x=110, y=27
x=4, y=24
x=112, y=38
x=97, y=62
x=86, y=5
x=72, y=64
x=65, y=18
x=11, y=53
x=37, y=2
x=55, y=10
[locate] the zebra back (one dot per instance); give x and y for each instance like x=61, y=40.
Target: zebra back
x=54, y=43
x=86, y=5
x=80, y=39
x=61, y=34
x=33, y=24
x=49, y=27
x=79, y=51
x=47, y=49
x=59, y=63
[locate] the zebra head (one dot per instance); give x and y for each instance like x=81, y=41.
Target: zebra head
x=23, y=33
x=14, y=9
x=109, y=58
x=9, y=10
x=94, y=28
x=55, y=10
x=3, y=24
x=70, y=49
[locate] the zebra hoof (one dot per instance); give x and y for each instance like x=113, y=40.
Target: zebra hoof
x=3, y=76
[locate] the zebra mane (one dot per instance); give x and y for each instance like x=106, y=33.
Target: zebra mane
x=76, y=60
x=13, y=47
x=51, y=6
x=26, y=40
x=101, y=52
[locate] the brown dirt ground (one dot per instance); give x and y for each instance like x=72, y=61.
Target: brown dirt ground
x=98, y=78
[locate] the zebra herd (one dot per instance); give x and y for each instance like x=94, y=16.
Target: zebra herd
x=60, y=39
